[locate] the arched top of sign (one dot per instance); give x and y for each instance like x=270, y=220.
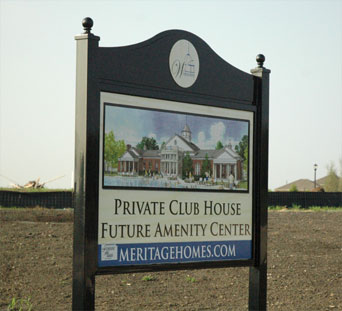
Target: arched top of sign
x=184, y=63
x=148, y=64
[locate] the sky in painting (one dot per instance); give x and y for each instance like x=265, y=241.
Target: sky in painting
x=302, y=42
x=131, y=124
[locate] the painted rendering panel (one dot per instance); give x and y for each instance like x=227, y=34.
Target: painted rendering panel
x=157, y=207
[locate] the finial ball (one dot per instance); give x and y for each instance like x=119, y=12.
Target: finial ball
x=260, y=60
x=87, y=23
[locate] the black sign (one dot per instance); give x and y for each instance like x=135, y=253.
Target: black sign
x=171, y=161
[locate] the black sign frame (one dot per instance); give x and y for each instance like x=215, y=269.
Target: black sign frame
x=142, y=70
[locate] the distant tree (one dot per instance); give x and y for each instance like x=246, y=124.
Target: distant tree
x=205, y=166
x=332, y=181
x=293, y=188
x=149, y=142
x=241, y=147
x=187, y=165
x=219, y=145
x=340, y=179
x=113, y=149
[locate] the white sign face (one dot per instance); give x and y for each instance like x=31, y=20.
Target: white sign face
x=184, y=63
x=175, y=182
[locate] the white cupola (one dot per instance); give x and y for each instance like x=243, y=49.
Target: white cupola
x=186, y=133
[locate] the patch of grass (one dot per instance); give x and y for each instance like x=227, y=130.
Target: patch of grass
x=296, y=207
x=243, y=185
x=147, y=278
x=111, y=174
x=276, y=208
x=190, y=279
x=311, y=208
x=325, y=208
x=20, y=304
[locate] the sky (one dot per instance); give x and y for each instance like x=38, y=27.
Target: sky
x=301, y=40
x=206, y=132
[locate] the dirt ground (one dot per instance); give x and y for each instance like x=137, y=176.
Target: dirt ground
x=304, y=268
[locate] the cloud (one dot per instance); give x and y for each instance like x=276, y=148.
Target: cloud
x=201, y=140
x=217, y=132
x=152, y=135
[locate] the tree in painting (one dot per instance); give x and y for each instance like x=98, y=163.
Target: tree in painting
x=242, y=150
x=113, y=149
x=187, y=166
x=219, y=145
x=245, y=160
x=205, y=167
x=148, y=143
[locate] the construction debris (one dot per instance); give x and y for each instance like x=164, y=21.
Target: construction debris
x=33, y=184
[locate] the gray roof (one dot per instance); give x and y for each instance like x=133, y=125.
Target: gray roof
x=211, y=154
x=133, y=152
x=150, y=153
x=138, y=151
x=133, y=155
x=230, y=150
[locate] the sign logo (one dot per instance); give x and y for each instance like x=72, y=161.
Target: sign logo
x=109, y=252
x=184, y=63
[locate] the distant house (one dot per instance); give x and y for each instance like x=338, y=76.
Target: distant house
x=169, y=160
x=303, y=185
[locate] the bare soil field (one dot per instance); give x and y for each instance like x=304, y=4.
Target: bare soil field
x=304, y=268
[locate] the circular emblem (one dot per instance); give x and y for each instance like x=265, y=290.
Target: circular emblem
x=184, y=63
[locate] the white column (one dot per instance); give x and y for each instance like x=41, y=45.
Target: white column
x=235, y=169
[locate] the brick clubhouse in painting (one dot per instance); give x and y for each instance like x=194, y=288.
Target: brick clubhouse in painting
x=224, y=163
